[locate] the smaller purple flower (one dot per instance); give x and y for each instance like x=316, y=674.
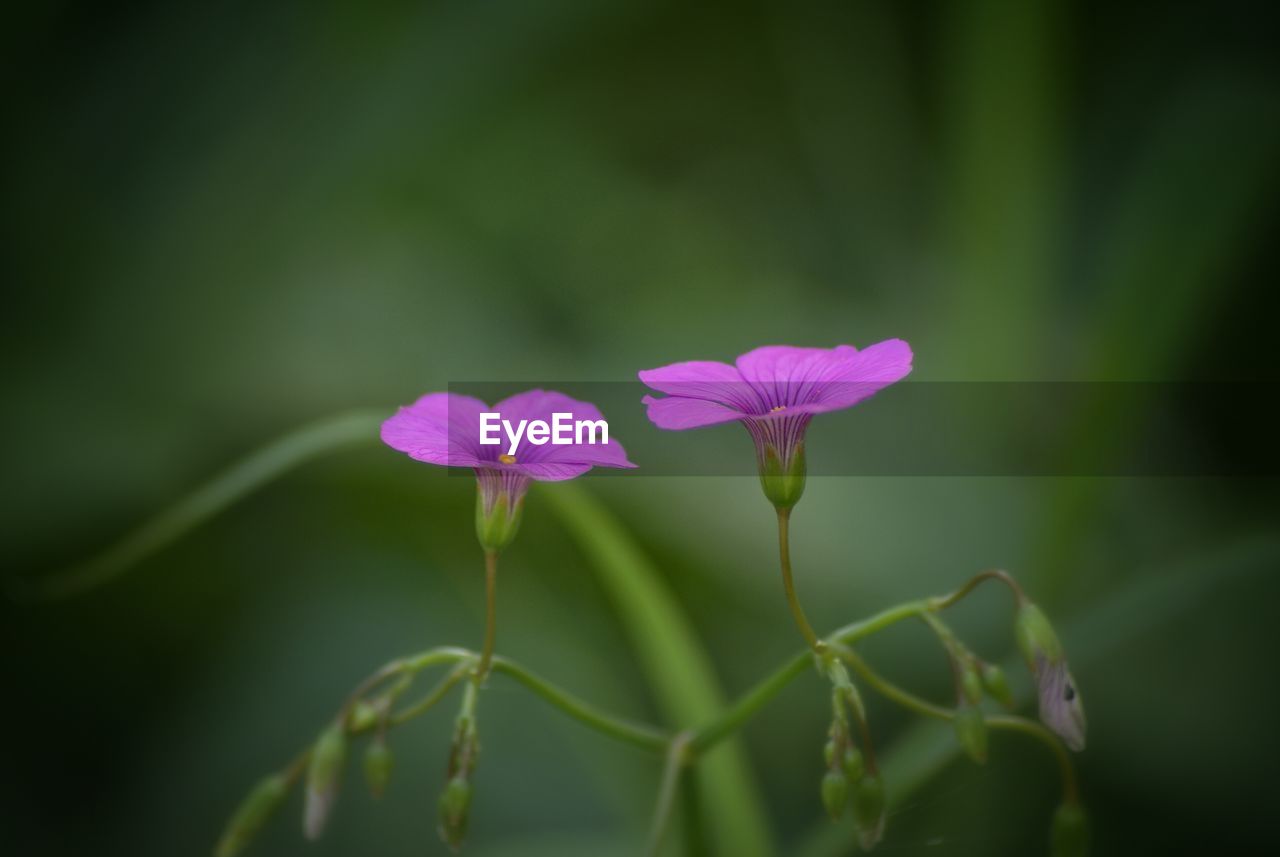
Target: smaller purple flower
x=445, y=429
x=774, y=391
x=1061, y=708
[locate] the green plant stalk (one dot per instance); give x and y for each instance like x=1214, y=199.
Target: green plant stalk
x=674, y=663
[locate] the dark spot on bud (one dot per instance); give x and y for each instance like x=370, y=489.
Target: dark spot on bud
x=1069, y=693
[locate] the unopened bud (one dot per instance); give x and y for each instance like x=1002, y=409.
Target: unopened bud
x=1070, y=834
x=853, y=764
x=363, y=716
x=254, y=811
x=455, y=806
x=324, y=774
x=835, y=793
x=997, y=685
x=971, y=683
x=1036, y=636
x=378, y=763
x=829, y=753
x=869, y=810
x=971, y=729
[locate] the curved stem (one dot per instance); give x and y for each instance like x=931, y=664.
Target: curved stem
x=677, y=758
x=910, y=701
x=742, y=710
x=490, y=613
x=640, y=735
x=439, y=692
x=788, y=583
x=974, y=582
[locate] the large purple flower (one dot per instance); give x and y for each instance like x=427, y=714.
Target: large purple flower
x=445, y=429
x=774, y=391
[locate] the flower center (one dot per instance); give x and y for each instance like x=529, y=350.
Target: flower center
x=778, y=408
x=507, y=459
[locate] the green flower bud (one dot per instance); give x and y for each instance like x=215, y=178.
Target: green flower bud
x=971, y=682
x=869, y=810
x=254, y=811
x=971, y=729
x=378, y=763
x=835, y=793
x=324, y=774
x=455, y=806
x=782, y=480
x=1070, y=833
x=498, y=515
x=829, y=753
x=1035, y=636
x=853, y=764
x=997, y=685
x=363, y=716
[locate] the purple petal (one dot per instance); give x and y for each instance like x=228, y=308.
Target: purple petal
x=859, y=375
x=543, y=405
x=439, y=428
x=706, y=380
x=1061, y=708
x=814, y=380
x=677, y=413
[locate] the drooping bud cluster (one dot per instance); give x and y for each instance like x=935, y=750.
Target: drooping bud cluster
x=455, y=802
x=851, y=774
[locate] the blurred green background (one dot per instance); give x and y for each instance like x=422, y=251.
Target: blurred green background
x=223, y=221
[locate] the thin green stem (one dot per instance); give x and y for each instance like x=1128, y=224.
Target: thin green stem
x=788, y=583
x=744, y=708
x=976, y=581
x=677, y=757
x=637, y=734
x=490, y=613
x=1010, y=722
x=439, y=692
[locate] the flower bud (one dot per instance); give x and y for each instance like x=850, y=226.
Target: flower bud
x=378, y=763
x=970, y=682
x=971, y=729
x=995, y=683
x=782, y=480
x=1069, y=836
x=254, y=811
x=363, y=716
x=1061, y=708
x=835, y=793
x=829, y=753
x=455, y=806
x=324, y=774
x=852, y=764
x=1035, y=635
x=497, y=518
x=869, y=810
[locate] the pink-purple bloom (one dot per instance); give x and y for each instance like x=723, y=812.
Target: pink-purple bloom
x=444, y=429
x=774, y=391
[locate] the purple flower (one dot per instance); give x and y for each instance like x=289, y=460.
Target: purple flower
x=1061, y=708
x=774, y=391
x=445, y=429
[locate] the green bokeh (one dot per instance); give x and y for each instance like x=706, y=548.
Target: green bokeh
x=222, y=222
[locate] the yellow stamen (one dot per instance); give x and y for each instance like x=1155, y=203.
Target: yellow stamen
x=507, y=459
x=779, y=408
